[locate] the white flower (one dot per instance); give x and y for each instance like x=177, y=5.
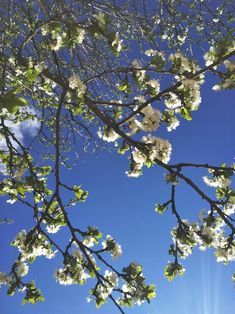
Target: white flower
x=62, y=277
x=216, y=87
x=154, y=84
x=181, y=61
x=151, y=120
x=229, y=65
x=53, y=228
x=138, y=157
x=117, y=251
x=140, y=98
x=37, y=246
x=117, y=43
x=173, y=101
x=134, y=125
x=76, y=83
x=111, y=277
x=40, y=67
x=218, y=181
x=3, y=278
x=58, y=38
x=77, y=254
x=158, y=148
x=151, y=53
x=89, y=241
x=111, y=245
x=211, y=56
x=101, y=19
x=136, y=64
x=229, y=209
x=134, y=173
x=80, y=35
x=11, y=201
x=173, y=124
x=108, y=136
x=22, y=269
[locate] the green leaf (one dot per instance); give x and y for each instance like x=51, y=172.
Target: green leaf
x=122, y=149
x=151, y=291
x=160, y=208
x=126, y=302
x=80, y=194
x=126, y=87
x=148, y=163
x=172, y=270
x=11, y=102
x=11, y=290
x=184, y=112
x=99, y=302
x=22, y=101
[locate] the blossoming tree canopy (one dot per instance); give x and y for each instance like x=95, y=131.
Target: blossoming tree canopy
x=84, y=74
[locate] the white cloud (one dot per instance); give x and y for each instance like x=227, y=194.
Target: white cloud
x=29, y=127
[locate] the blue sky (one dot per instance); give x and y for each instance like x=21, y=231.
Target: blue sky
x=124, y=208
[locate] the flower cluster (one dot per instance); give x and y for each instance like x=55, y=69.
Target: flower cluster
x=138, y=72
x=189, y=92
x=208, y=232
x=157, y=148
x=109, y=244
x=150, y=122
x=214, y=53
x=217, y=181
x=32, y=245
x=181, y=64
x=73, y=271
x=101, y=19
x=117, y=43
x=21, y=269
x=76, y=83
x=5, y=279
x=184, y=236
x=154, y=86
x=135, y=291
x=228, y=81
x=108, y=134
x=105, y=288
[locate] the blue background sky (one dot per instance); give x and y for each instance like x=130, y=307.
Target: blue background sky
x=124, y=208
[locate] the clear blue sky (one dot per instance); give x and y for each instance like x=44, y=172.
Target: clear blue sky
x=124, y=208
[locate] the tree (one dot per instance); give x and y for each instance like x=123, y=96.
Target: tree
x=87, y=74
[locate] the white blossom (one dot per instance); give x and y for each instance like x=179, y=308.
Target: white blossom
x=159, y=148
x=173, y=101
x=173, y=123
x=80, y=35
x=136, y=64
x=101, y=18
x=89, y=241
x=151, y=120
x=217, y=181
x=108, y=136
x=22, y=269
x=182, y=62
x=117, y=43
x=151, y=52
x=77, y=254
x=111, y=245
x=53, y=228
x=76, y=83
x=154, y=84
x=4, y=279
